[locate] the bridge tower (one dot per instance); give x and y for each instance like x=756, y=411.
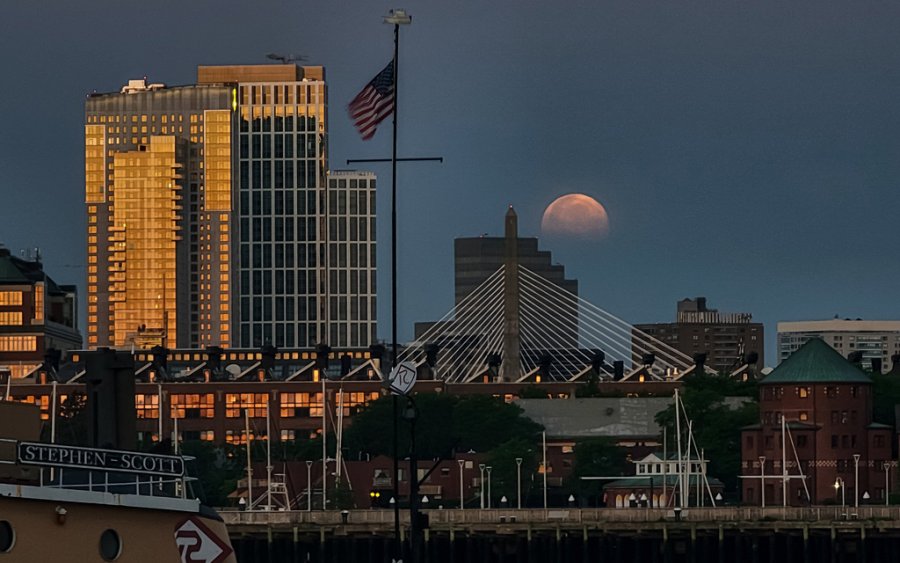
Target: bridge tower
x=510, y=368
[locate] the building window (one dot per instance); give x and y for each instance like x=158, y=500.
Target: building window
x=831, y=391
x=146, y=406
x=801, y=441
x=879, y=441
x=18, y=343
x=254, y=403
x=803, y=392
x=11, y=318
x=804, y=416
x=301, y=405
x=193, y=406
x=10, y=297
x=238, y=437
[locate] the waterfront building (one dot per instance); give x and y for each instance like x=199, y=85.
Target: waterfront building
x=816, y=427
x=876, y=342
x=208, y=209
x=657, y=483
x=38, y=318
x=727, y=339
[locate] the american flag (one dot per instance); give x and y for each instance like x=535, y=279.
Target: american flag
x=374, y=103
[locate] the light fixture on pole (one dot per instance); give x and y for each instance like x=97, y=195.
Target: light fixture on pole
x=762, y=481
x=481, y=467
x=462, y=495
x=856, y=480
x=519, y=482
x=839, y=484
x=309, y=465
x=489, y=468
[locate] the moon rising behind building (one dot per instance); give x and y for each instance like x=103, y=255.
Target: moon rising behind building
x=575, y=215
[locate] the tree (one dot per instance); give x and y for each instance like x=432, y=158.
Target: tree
x=444, y=424
x=886, y=394
x=216, y=472
x=595, y=457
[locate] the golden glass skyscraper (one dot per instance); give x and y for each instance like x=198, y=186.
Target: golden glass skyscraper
x=208, y=209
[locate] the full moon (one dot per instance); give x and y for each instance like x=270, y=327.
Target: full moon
x=575, y=215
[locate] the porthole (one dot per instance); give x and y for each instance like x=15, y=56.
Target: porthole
x=110, y=545
x=7, y=537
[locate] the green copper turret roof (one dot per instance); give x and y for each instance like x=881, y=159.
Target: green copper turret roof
x=816, y=362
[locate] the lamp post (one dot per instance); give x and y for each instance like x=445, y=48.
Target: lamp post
x=309, y=465
x=887, y=467
x=762, y=481
x=519, y=482
x=856, y=480
x=462, y=496
x=489, y=468
x=839, y=484
x=481, y=467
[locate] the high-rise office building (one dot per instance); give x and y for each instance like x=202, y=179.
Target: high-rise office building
x=207, y=212
x=351, y=258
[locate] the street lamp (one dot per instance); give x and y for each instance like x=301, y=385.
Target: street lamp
x=481, y=467
x=762, y=481
x=519, y=482
x=309, y=465
x=887, y=467
x=462, y=496
x=839, y=484
x=489, y=468
x=856, y=480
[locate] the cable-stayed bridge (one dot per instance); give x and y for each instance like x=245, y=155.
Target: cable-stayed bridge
x=517, y=326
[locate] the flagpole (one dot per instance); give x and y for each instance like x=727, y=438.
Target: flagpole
x=396, y=17
x=398, y=554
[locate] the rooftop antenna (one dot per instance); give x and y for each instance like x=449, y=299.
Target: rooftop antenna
x=285, y=59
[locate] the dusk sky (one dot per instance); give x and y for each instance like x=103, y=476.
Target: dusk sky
x=748, y=152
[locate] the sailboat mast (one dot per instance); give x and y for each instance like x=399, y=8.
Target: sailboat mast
x=678, y=445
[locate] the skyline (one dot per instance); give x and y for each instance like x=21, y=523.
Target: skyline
x=743, y=139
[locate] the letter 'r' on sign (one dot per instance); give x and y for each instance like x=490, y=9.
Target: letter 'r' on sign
x=402, y=378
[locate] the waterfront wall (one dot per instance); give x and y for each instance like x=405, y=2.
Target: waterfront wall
x=732, y=535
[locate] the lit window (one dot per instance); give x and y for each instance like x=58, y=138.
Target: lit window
x=146, y=406
x=10, y=297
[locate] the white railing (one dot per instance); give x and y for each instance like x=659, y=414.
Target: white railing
x=107, y=480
